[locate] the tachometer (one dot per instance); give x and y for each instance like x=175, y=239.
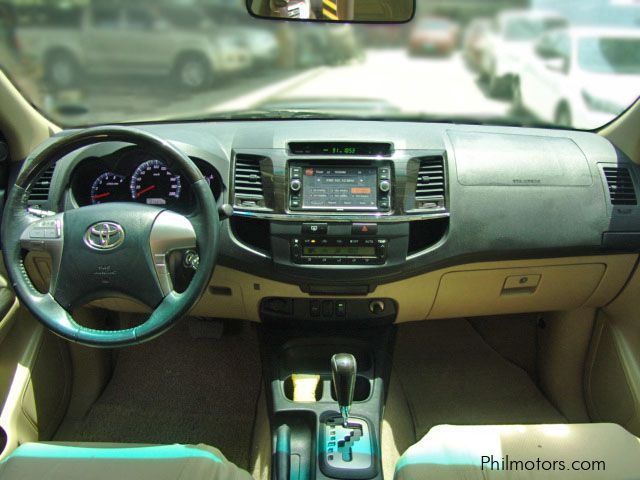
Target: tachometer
x=153, y=183
x=108, y=187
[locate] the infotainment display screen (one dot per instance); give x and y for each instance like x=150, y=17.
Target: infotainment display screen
x=349, y=188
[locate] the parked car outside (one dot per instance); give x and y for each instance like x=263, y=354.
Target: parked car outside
x=580, y=77
x=262, y=45
x=434, y=36
x=309, y=46
x=513, y=36
x=167, y=43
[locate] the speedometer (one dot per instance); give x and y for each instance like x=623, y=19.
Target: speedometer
x=154, y=184
x=108, y=187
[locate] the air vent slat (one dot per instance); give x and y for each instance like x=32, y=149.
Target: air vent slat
x=620, y=184
x=247, y=181
x=430, y=182
x=39, y=191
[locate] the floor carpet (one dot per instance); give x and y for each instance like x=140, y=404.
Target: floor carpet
x=179, y=389
x=449, y=374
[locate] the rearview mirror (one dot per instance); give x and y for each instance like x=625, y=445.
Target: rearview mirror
x=336, y=11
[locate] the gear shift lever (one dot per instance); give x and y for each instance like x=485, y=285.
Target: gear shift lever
x=343, y=370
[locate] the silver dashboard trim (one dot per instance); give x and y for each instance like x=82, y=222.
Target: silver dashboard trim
x=307, y=217
x=170, y=231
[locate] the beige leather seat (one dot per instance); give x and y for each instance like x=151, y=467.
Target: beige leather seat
x=523, y=452
x=94, y=461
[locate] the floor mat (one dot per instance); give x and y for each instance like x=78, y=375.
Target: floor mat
x=179, y=389
x=450, y=375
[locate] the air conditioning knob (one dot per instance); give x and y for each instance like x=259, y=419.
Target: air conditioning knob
x=385, y=185
x=376, y=307
x=295, y=185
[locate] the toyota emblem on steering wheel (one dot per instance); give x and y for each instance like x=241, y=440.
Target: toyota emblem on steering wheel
x=104, y=236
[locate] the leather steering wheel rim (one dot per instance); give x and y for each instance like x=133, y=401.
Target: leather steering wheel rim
x=138, y=221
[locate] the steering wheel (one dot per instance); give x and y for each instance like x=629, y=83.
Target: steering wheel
x=109, y=250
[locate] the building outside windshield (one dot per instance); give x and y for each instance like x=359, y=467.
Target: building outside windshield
x=570, y=63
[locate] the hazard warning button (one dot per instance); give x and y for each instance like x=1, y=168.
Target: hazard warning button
x=364, y=229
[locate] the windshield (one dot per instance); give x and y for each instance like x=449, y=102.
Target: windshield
x=84, y=62
x=610, y=55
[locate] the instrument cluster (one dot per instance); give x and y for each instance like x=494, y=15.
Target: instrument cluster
x=135, y=175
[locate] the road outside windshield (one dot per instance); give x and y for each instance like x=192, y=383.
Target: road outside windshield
x=571, y=63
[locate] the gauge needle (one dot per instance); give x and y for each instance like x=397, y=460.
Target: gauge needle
x=101, y=195
x=145, y=190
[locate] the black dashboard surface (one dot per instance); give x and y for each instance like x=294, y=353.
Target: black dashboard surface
x=510, y=193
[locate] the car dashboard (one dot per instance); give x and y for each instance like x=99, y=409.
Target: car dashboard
x=382, y=221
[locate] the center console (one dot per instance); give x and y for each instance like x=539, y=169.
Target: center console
x=334, y=431
x=334, y=218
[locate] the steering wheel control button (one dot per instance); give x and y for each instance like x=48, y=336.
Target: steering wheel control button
x=36, y=232
x=364, y=229
x=314, y=228
x=104, y=236
x=160, y=262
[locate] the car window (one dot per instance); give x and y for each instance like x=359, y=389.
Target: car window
x=184, y=18
x=138, y=18
x=105, y=17
x=609, y=55
x=530, y=29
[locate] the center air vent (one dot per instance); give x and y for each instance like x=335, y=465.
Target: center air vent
x=39, y=191
x=430, y=183
x=247, y=182
x=620, y=185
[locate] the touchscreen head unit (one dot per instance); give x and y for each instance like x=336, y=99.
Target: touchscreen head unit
x=339, y=188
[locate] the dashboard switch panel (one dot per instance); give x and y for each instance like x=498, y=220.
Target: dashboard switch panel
x=279, y=309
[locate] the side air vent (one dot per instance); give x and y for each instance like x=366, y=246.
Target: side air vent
x=247, y=182
x=430, y=184
x=620, y=185
x=39, y=192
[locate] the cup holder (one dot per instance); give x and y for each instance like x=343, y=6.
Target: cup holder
x=361, y=393
x=362, y=390
x=288, y=389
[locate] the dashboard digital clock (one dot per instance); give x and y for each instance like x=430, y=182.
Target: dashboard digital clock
x=341, y=148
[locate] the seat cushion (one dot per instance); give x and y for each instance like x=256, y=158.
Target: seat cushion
x=523, y=452
x=95, y=461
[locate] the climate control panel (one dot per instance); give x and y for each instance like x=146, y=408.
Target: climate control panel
x=339, y=251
